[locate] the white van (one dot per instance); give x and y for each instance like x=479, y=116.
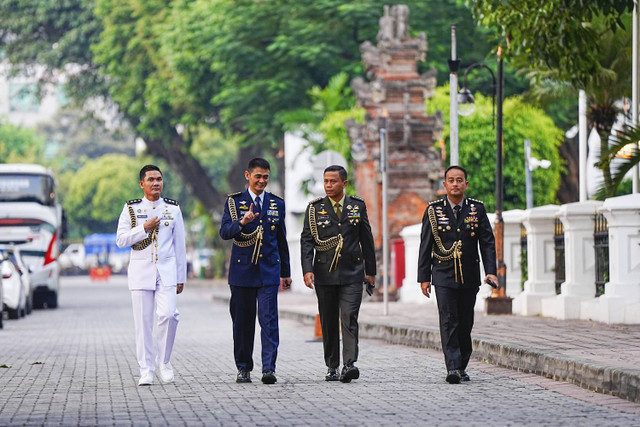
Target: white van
x=31, y=217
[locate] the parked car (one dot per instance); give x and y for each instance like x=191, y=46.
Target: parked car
x=14, y=291
x=1, y=306
x=15, y=255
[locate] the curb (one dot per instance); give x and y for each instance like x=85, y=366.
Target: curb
x=602, y=378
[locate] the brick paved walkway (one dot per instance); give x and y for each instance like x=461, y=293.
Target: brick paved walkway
x=76, y=366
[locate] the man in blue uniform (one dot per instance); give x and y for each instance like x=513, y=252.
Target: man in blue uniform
x=452, y=230
x=254, y=220
x=153, y=228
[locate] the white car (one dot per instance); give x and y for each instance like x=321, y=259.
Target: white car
x=15, y=255
x=15, y=292
x=1, y=311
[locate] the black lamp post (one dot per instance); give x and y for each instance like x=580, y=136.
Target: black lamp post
x=500, y=303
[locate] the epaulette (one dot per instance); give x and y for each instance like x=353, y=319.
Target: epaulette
x=170, y=201
x=358, y=198
x=234, y=194
x=276, y=196
x=476, y=200
x=133, y=201
x=435, y=201
x=316, y=200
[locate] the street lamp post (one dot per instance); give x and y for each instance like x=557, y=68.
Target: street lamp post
x=454, y=64
x=498, y=303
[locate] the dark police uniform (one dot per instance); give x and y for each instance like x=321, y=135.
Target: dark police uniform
x=449, y=259
x=259, y=258
x=339, y=252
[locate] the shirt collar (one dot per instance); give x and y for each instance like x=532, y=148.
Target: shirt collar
x=254, y=195
x=453, y=205
x=156, y=203
x=340, y=202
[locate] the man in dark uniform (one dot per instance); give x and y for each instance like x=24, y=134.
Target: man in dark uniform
x=452, y=230
x=254, y=219
x=338, y=253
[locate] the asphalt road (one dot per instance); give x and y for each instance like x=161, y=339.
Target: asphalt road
x=75, y=365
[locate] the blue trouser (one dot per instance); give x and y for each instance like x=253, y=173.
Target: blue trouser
x=243, y=314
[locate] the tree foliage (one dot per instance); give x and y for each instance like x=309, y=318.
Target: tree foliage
x=552, y=34
x=477, y=149
x=19, y=144
x=95, y=194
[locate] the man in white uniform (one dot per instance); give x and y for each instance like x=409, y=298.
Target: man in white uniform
x=154, y=229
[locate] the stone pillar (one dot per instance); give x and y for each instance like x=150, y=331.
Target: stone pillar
x=579, y=285
x=394, y=97
x=512, y=250
x=539, y=223
x=621, y=300
x=410, y=290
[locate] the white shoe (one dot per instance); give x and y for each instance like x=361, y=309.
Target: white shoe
x=146, y=379
x=165, y=372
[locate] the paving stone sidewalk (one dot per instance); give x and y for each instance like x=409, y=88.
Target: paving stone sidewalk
x=594, y=355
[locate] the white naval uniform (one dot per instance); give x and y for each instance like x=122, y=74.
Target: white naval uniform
x=153, y=275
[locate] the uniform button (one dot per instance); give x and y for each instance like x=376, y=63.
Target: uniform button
x=458, y=230
x=338, y=224
x=260, y=255
x=238, y=260
x=260, y=221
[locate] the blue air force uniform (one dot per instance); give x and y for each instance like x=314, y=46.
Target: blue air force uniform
x=259, y=258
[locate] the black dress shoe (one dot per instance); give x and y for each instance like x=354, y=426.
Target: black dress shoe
x=269, y=377
x=332, y=375
x=349, y=372
x=243, y=377
x=453, y=377
x=464, y=376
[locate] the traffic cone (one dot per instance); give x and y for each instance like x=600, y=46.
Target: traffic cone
x=317, y=333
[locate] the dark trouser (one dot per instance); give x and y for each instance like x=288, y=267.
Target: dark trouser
x=339, y=302
x=456, y=321
x=243, y=313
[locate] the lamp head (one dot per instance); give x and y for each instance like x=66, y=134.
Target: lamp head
x=466, y=102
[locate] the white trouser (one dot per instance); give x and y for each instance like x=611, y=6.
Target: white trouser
x=165, y=303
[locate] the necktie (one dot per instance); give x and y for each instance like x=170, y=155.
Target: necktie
x=456, y=210
x=258, y=207
x=337, y=209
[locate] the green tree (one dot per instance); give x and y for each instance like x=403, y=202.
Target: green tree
x=553, y=34
x=477, y=149
x=586, y=44
x=19, y=144
x=97, y=192
x=230, y=65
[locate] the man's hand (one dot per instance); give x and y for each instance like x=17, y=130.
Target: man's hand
x=426, y=289
x=493, y=278
x=309, y=278
x=285, y=282
x=151, y=223
x=179, y=288
x=370, y=279
x=248, y=217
